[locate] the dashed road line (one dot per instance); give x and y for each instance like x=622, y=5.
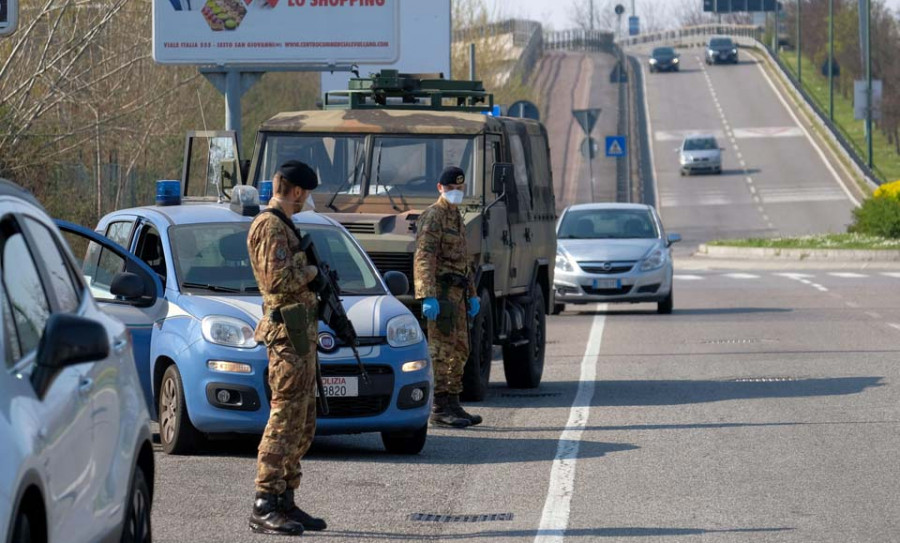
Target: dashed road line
x=683, y=277
x=894, y=326
x=848, y=275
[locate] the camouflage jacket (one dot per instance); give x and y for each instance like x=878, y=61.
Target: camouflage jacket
x=440, y=248
x=279, y=267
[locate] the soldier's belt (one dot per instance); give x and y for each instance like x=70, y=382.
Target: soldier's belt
x=454, y=280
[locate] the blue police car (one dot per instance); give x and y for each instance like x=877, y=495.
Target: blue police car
x=179, y=276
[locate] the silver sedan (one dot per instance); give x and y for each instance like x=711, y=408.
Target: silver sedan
x=700, y=154
x=613, y=253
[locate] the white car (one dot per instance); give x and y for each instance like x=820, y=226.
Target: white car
x=700, y=153
x=613, y=253
x=76, y=457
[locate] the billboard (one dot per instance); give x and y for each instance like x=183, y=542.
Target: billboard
x=425, y=35
x=740, y=6
x=275, y=32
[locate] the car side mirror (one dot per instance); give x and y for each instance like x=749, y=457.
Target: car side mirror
x=673, y=238
x=397, y=283
x=501, y=177
x=67, y=340
x=127, y=285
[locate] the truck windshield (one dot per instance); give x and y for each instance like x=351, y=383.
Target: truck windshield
x=411, y=166
x=213, y=257
x=334, y=158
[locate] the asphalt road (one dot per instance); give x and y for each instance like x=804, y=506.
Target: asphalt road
x=763, y=409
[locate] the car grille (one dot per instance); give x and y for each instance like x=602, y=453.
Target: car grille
x=363, y=406
x=625, y=289
x=401, y=262
x=599, y=267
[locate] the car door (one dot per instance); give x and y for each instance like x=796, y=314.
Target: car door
x=103, y=259
x=63, y=415
x=520, y=216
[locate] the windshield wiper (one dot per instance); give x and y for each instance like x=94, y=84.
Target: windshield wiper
x=214, y=288
x=378, y=175
x=352, y=176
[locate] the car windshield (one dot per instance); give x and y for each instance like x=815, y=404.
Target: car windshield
x=700, y=144
x=411, y=166
x=334, y=158
x=213, y=257
x=720, y=42
x=663, y=52
x=608, y=224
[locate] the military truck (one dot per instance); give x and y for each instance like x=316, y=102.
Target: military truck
x=379, y=148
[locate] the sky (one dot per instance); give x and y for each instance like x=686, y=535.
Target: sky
x=557, y=13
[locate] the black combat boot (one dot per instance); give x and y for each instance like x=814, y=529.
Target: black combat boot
x=268, y=518
x=443, y=415
x=453, y=404
x=294, y=513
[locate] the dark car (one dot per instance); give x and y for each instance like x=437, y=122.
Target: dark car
x=721, y=49
x=664, y=59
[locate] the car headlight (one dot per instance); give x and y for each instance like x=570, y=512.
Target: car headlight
x=675, y=61
x=228, y=331
x=652, y=61
x=656, y=259
x=562, y=261
x=734, y=51
x=404, y=331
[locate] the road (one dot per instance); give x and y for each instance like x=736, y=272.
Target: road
x=763, y=409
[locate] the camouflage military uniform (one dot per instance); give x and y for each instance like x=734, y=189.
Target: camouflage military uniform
x=441, y=250
x=279, y=267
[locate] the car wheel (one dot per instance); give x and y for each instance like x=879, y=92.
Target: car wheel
x=137, y=515
x=524, y=364
x=477, y=372
x=405, y=442
x=558, y=308
x=176, y=432
x=682, y=172
x=665, y=307
x=22, y=529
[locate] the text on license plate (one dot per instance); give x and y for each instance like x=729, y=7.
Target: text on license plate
x=607, y=283
x=340, y=387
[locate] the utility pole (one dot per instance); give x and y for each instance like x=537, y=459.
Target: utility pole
x=831, y=59
x=591, y=3
x=799, y=45
x=869, y=79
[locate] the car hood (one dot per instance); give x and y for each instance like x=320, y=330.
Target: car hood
x=604, y=250
x=369, y=314
x=713, y=153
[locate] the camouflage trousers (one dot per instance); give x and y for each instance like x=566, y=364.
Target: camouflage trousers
x=448, y=343
x=292, y=419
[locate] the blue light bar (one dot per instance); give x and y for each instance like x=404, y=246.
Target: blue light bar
x=168, y=192
x=265, y=192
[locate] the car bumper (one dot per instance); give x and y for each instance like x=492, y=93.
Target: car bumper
x=706, y=166
x=633, y=287
x=727, y=57
x=382, y=404
x=662, y=67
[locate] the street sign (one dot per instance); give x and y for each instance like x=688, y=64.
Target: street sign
x=634, y=26
x=620, y=9
x=589, y=147
x=9, y=16
x=587, y=118
x=740, y=6
x=524, y=109
x=859, y=99
x=615, y=146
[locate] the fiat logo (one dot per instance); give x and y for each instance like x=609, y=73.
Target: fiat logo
x=327, y=342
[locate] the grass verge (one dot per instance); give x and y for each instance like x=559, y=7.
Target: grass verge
x=819, y=241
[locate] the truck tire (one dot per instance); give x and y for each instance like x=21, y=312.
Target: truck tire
x=477, y=373
x=524, y=365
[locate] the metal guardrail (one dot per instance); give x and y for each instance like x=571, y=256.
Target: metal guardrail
x=579, y=40
x=644, y=159
x=692, y=33
x=532, y=51
x=521, y=29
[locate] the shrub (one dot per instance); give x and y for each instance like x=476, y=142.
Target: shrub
x=879, y=216
x=888, y=190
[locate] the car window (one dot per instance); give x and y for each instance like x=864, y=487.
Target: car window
x=12, y=353
x=700, y=144
x=27, y=300
x=608, y=224
x=99, y=268
x=120, y=232
x=720, y=42
x=150, y=250
x=57, y=266
x=411, y=166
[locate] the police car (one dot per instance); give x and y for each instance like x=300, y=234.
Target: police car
x=192, y=322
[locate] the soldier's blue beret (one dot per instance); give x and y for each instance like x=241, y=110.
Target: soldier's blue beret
x=299, y=174
x=452, y=176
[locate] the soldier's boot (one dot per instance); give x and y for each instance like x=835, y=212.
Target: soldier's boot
x=268, y=518
x=457, y=409
x=294, y=513
x=443, y=415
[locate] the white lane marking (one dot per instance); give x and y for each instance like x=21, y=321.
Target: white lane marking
x=555, y=518
x=742, y=163
x=895, y=275
x=769, y=132
x=852, y=305
x=687, y=277
x=752, y=190
x=848, y=275
x=741, y=276
x=808, y=136
x=802, y=278
x=894, y=326
x=874, y=315
x=796, y=275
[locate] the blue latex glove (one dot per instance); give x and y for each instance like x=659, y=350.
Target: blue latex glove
x=474, y=305
x=430, y=308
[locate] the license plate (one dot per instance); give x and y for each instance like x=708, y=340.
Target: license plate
x=340, y=387
x=607, y=283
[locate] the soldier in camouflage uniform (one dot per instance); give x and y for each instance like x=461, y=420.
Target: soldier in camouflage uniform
x=282, y=273
x=443, y=281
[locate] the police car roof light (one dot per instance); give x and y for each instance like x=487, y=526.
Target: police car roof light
x=168, y=192
x=245, y=200
x=265, y=192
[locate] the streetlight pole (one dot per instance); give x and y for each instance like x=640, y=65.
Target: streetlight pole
x=869, y=79
x=799, y=45
x=591, y=4
x=831, y=59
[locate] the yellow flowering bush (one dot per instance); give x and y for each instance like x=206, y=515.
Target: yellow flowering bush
x=888, y=190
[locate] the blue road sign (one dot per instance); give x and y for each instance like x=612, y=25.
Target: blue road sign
x=634, y=25
x=615, y=146
x=524, y=109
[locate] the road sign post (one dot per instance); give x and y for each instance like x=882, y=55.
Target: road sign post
x=587, y=118
x=616, y=147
